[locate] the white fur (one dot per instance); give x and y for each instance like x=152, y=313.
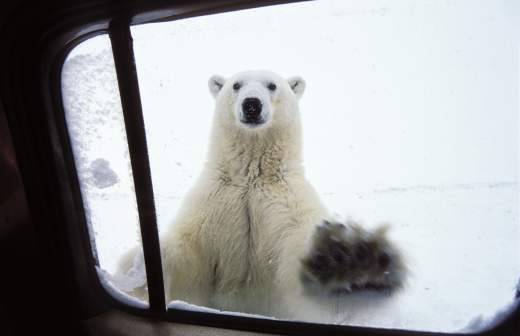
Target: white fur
x=242, y=230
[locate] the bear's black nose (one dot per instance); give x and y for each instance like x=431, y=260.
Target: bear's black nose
x=252, y=107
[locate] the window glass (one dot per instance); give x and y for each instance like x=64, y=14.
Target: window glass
x=410, y=117
x=99, y=144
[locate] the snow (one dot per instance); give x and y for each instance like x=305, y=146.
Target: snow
x=178, y=304
x=133, y=278
x=480, y=323
x=98, y=140
x=460, y=267
x=108, y=283
x=102, y=175
x=410, y=117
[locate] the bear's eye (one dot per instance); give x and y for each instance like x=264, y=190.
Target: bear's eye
x=237, y=86
x=271, y=86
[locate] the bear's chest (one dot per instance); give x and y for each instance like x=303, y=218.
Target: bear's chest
x=244, y=248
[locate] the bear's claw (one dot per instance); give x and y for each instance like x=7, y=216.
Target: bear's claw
x=345, y=258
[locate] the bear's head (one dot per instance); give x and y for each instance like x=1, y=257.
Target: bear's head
x=256, y=100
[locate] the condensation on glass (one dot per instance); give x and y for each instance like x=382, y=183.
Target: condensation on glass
x=410, y=116
x=97, y=135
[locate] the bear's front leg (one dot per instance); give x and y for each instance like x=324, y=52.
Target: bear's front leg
x=346, y=257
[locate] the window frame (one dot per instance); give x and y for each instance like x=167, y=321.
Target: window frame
x=44, y=118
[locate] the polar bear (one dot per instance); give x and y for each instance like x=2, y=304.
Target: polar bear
x=252, y=234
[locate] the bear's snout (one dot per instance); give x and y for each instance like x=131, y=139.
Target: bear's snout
x=251, y=110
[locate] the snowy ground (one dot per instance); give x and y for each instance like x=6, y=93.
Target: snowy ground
x=410, y=117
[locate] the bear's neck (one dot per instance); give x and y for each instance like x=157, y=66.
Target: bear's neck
x=239, y=155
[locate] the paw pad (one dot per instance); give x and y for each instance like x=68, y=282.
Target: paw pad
x=347, y=257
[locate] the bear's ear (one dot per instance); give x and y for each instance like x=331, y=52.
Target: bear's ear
x=215, y=84
x=297, y=85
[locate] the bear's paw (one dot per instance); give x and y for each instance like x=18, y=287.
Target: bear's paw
x=345, y=258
